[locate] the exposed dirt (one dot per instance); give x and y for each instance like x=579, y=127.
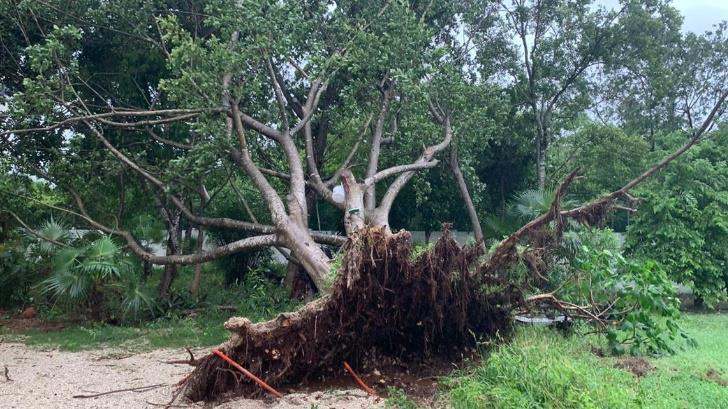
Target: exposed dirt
x=50, y=379
x=716, y=377
x=17, y=324
x=638, y=366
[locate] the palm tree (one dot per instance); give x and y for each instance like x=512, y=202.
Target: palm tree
x=523, y=207
x=83, y=271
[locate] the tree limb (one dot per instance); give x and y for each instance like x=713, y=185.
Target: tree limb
x=179, y=114
x=371, y=181
x=33, y=232
x=504, y=252
x=427, y=156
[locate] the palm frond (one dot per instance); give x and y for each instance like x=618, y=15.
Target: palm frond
x=68, y=283
x=137, y=297
x=53, y=230
x=103, y=248
x=66, y=259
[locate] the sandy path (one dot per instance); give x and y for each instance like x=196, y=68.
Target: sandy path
x=49, y=379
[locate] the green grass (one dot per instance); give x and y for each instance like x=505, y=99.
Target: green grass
x=540, y=368
x=203, y=330
x=680, y=380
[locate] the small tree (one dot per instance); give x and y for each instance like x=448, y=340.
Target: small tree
x=683, y=220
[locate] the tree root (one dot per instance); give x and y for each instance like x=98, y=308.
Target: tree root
x=192, y=361
x=381, y=301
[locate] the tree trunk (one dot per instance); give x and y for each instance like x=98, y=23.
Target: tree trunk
x=541, y=145
x=354, y=217
x=463, y=187
x=298, y=282
x=187, y=237
x=168, y=276
x=195, y=286
x=204, y=200
x=541, y=166
x=308, y=253
x=170, y=270
x=146, y=270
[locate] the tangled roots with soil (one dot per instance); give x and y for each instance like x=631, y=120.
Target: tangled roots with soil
x=381, y=302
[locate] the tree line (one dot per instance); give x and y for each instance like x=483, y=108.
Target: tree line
x=246, y=120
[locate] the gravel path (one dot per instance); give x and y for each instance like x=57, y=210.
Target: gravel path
x=50, y=379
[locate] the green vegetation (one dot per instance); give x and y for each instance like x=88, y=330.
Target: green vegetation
x=153, y=154
x=397, y=399
x=643, y=300
x=192, y=324
x=541, y=368
x=683, y=220
x=203, y=330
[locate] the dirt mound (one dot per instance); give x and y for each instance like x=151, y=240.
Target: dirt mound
x=716, y=377
x=638, y=366
x=381, y=304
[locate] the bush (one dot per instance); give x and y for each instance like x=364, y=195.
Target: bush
x=16, y=274
x=89, y=273
x=636, y=297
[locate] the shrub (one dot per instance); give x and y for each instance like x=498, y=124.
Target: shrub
x=89, y=272
x=16, y=274
x=635, y=297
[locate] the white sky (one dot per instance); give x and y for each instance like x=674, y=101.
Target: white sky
x=699, y=15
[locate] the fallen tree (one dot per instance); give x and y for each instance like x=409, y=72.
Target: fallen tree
x=256, y=101
x=381, y=302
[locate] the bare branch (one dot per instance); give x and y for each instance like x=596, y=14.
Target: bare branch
x=504, y=252
x=465, y=194
x=260, y=127
x=693, y=140
x=177, y=115
x=394, y=170
x=427, y=156
x=165, y=141
x=275, y=173
x=375, y=149
x=314, y=96
x=146, y=123
x=33, y=232
x=277, y=90
x=204, y=221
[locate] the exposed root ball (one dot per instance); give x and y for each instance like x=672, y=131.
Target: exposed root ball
x=380, y=301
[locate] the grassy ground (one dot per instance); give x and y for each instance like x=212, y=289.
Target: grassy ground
x=539, y=368
x=194, y=323
x=542, y=369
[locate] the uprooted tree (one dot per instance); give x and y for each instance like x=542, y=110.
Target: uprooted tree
x=292, y=98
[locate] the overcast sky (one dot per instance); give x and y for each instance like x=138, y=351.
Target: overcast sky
x=700, y=15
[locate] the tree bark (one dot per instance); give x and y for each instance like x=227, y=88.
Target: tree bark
x=308, y=253
x=195, y=286
x=541, y=145
x=370, y=192
x=170, y=270
x=463, y=188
